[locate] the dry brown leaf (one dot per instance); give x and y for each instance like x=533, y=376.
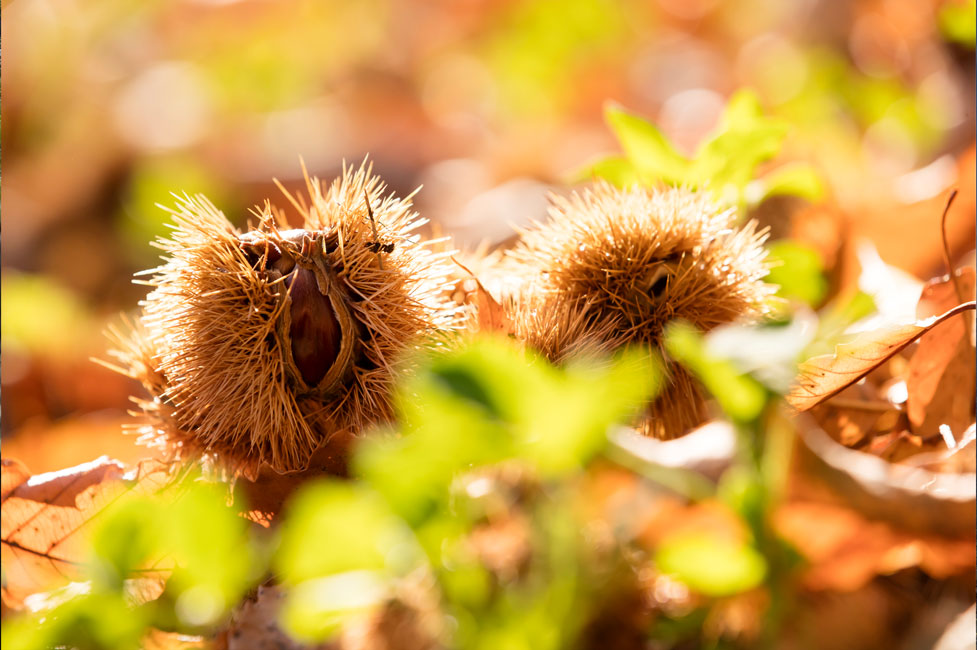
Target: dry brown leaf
x=846, y=551
x=42, y=516
x=491, y=316
x=824, y=376
x=941, y=373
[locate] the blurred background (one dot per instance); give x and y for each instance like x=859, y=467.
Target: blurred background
x=108, y=106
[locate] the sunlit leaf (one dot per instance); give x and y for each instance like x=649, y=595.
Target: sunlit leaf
x=940, y=385
x=41, y=544
x=334, y=527
x=652, y=155
x=798, y=270
x=743, y=139
x=98, y=620
x=740, y=396
x=822, y=377
x=41, y=315
x=958, y=21
x=616, y=170
x=710, y=565
x=315, y=609
x=795, y=179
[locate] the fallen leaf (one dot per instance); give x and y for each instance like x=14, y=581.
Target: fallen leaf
x=42, y=544
x=824, y=376
x=491, y=316
x=940, y=384
x=845, y=551
x=42, y=516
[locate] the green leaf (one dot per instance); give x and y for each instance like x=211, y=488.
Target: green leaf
x=42, y=316
x=491, y=402
x=568, y=419
x=314, y=610
x=768, y=352
x=652, y=155
x=335, y=527
x=96, y=621
x=740, y=396
x=189, y=526
x=958, y=21
x=794, y=179
x=209, y=542
x=616, y=170
x=123, y=540
x=743, y=139
x=710, y=565
x=798, y=270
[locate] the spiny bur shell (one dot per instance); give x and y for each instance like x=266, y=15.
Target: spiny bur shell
x=258, y=347
x=611, y=267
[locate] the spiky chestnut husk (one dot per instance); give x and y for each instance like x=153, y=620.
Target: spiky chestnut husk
x=612, y=267
x=257, y=347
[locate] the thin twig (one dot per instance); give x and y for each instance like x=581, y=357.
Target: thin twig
x=946, y=250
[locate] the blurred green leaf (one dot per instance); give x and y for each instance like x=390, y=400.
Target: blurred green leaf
x=538, y=49
x=568, y=419
x=798, y=270
x=123, y=540
x=95, y=621
x=793, y=179
x=768, y=352
x=836, y=317
x=334, y=527
x=495, y=403
x=711, y=566
x=740, y=396
x=209, y=543
x=958, y=21
x=315, y=609
x=188, y=527
x=42, y=316
x=153, y=183
x=616, y=170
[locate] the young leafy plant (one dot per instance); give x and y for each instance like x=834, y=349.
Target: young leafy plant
x=724, y=164
x=476, y=427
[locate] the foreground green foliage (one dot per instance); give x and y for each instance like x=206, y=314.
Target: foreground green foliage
x=487, y=434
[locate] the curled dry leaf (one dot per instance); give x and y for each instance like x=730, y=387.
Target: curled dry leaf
x=940, y=384
x=825, y=376
x=490, y=315
x=44, y=517
x=910, y=498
